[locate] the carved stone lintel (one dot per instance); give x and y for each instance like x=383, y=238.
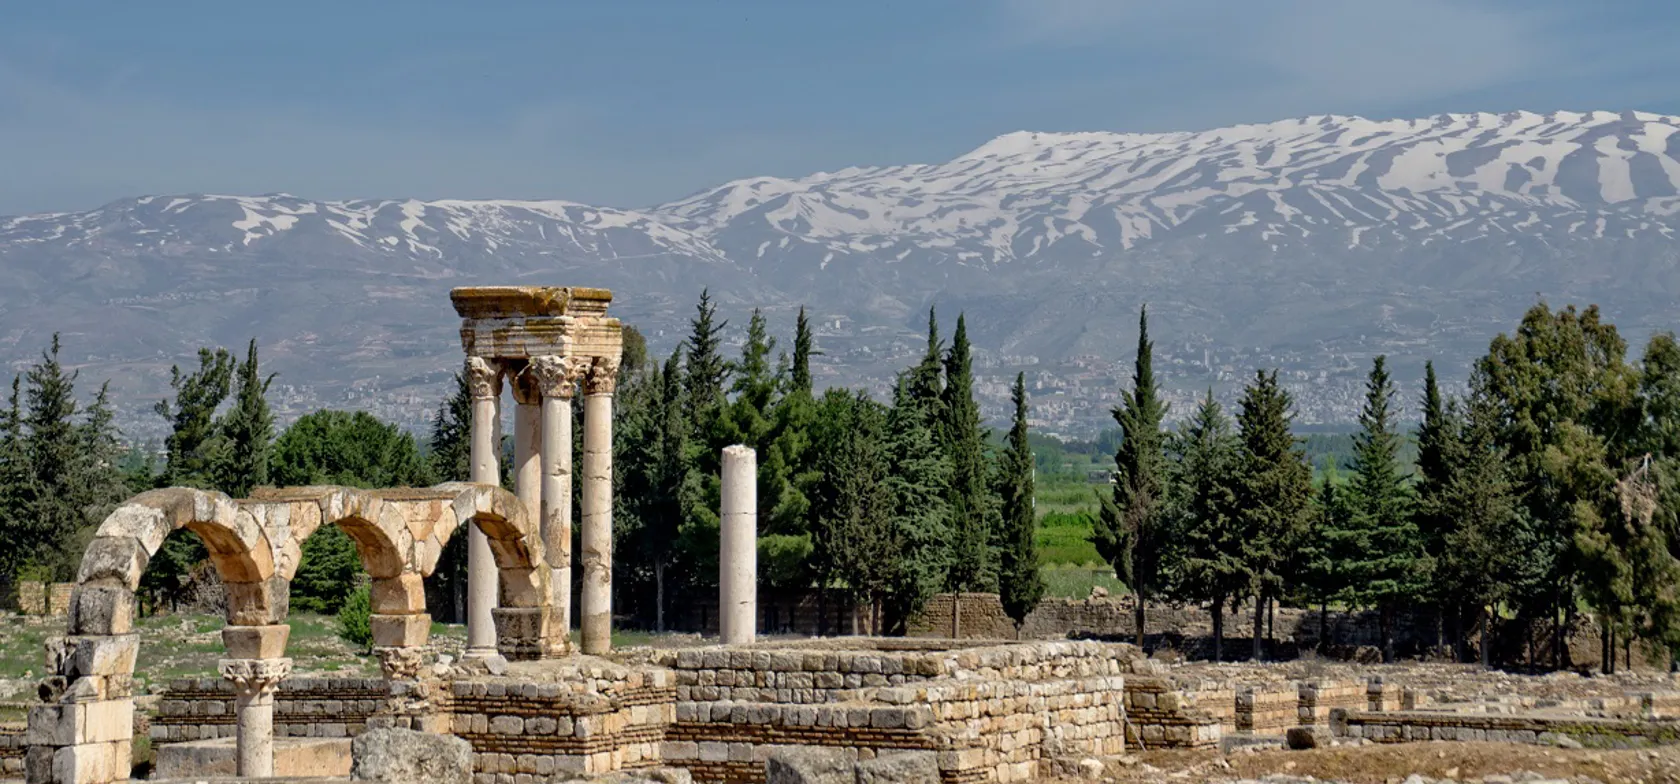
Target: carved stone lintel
x=255, y=677
x=400, y=664
x=557, y=376
x=484, y=378
x=603, y=377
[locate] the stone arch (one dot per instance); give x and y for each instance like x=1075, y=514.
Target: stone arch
x=83, y=732
x=526, y=626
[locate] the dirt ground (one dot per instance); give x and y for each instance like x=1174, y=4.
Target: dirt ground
x=1393, y=763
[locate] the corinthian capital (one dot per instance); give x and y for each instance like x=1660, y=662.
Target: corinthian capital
x=557, y=376
x=484, y=378
x=603, y=377
x=255, y=676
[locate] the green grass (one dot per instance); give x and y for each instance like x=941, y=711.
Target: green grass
x=1066, y=539
x=1075, y=581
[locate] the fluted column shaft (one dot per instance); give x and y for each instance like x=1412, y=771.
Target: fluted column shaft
x=485, y=381
x=597, y=506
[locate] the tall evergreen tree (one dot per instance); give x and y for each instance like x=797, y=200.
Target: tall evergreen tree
x=856, y=540
x=1435, y=436
x=920, y=479
x=1320, y=573
x=194, y=446
x=1206, y=493
x=705, y=371
x=1276, y=490
x=248, y=428
x=14, y=491
x=54, y=449
x=1020, y=585
x=1130, y=532
x=1484, y=551
x=973, y=562
x=803, y=344
x=1380, y=548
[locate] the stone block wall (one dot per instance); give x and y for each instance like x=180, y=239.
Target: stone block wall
x=1406, y=726
x=58, y=598
x=32, y=597
x=12, y=749
x=1160, y=716
x=1267, y=709
x=992, y=713
x=201, y=709
x=1318, y=698
x=982, y=618
x=1661, y=704
x=1381, y=696
x=592, y=718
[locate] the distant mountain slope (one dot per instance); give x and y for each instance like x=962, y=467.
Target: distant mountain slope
x=1308, y=244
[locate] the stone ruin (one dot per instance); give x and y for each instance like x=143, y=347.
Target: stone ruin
x=523, y=707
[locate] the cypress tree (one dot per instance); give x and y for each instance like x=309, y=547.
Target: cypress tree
x=705, y=371
x=973, y=562
x=1430, y=517
x=248, y=428
x=1205, y=483
x=802, y=345
x=1380, y=548
x=14, y=490
x=1275, y=489
x=1130, y=531
x=1020, y=585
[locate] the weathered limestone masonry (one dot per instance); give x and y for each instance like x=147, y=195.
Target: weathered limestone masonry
x=12, y=749
x=982, y=617
x=203, y=708
x=1160, y=715
x=1319, y=697
x=82, y=732
x=1267, y=709
x=1404, y=726
x=992, y=713
x=545, y=340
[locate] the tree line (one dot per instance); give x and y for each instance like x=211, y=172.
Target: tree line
x=1549, y=483
x=863, y=502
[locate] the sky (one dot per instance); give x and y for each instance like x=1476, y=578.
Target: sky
x=635, y=102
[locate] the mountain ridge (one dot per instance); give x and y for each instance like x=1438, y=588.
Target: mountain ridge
x=1309, y=244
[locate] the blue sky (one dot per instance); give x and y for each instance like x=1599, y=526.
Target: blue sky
x=634, y=102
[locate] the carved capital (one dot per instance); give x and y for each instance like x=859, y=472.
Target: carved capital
x=603, y=377
x=557, y=376
x=400, y=664
x=255, y=677
x=484, y=378
x=526, y=389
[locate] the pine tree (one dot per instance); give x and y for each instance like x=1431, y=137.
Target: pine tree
x=248, y=429
x=926, y=380
x=1319, y=564
x=856, y=540
x=1205, y=479
x=1483, y=553
x=1020, y=585
x=1130, y=532
x=920, y=478
x=14, y=490
x=973, y=562
x=1275, y=490
x=705, y=371
x=54, y=449
x=1380, y=549
x=194, y=446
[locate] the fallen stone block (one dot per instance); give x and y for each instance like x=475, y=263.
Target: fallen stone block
x=1312, y=737
x=397, y=756
x=807, y=765
x=904, y=767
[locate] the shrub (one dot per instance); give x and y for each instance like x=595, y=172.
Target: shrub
x=353, y=624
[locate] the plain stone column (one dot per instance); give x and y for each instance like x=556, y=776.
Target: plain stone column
x=557, y=378
x=738, y=547
x=527, y=443
x=485, y=381
x=254, y=683
x=597, y=506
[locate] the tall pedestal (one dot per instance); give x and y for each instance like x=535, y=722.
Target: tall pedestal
x=738, y=547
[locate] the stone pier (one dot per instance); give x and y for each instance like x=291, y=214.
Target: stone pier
x=738, y=547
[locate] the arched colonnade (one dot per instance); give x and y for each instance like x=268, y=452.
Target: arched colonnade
x=83, y=731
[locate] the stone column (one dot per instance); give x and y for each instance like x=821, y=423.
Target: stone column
x=254, y=684
x=598, y=390
x=527, y=441
x=738, y=547
x=557, y=379
x=485, y=380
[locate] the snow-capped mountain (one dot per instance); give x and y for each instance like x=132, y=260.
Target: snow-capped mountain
x=1309, y=244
